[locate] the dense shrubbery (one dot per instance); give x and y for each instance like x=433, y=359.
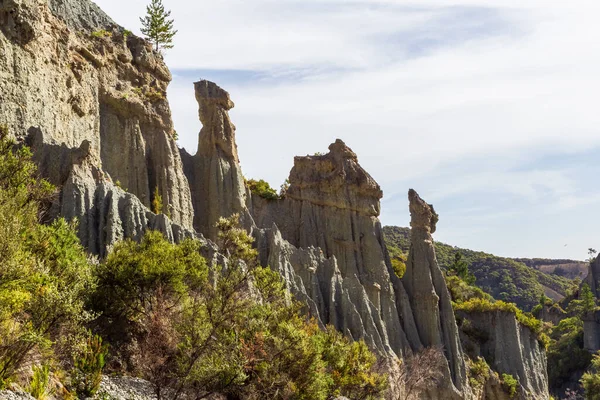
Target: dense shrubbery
x=262, y=188
x=565, y=353
x=200, y=329
x=44, y=272
x=591, y=380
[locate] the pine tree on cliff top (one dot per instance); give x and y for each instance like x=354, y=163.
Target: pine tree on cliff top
x=157, y=27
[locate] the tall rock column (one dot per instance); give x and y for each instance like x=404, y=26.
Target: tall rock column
x=218, y=188
x=426, y=288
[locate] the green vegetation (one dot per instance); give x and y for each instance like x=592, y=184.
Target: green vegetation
x=510, y=384
x=591, y=380
x=44, y=272
x=503, y=278
x=460, y=268
x=565, y=352
x=399, y=265
x=157, y=202
x=203, y=332
x=526, y=319
x=262, y=188
x=39, y=385
x=157, y=27
x=460, y=291
x=88, y=366
x=102, y=33
x=479, y=372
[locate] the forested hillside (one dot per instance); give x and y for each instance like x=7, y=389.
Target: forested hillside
x=503, y=278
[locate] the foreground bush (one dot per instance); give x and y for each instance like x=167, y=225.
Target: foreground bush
x=44, y=272
x=231, y=328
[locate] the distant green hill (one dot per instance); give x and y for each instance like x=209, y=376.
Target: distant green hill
x=503, y=278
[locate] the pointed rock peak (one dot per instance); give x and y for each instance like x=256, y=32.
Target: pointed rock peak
x=210, y=93
x=339, y=150
x=422, y=215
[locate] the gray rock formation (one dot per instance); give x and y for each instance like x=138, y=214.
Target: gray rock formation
x=593, y=277
x=218, y=188
x=508, y=347
x=109, y=91
x=332, y=205
x=81, y=15
x=591, y=332
x=427, y=291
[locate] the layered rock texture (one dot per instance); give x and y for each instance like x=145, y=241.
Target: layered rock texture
x=70, y=76
x=427, y=291
x=214, y=172
x=591, y=321
x=508, y=347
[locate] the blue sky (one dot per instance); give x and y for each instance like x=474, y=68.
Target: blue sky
x=489, y=109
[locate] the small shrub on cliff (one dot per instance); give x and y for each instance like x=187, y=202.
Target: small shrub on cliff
x=479, y=372
x=157, y=202
x=262, y=188
x=591, y=380
x=399, y=265
x=510, y=384
x=102, y=33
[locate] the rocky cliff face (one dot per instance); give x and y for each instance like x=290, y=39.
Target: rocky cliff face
x=508, y=347
x=332, y=206
x=591, y=322
x=214, y=171
x=67, y=84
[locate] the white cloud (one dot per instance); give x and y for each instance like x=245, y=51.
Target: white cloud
x=447, y=96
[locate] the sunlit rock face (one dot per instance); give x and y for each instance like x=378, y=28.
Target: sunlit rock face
x=214, y=172
x=65, y=87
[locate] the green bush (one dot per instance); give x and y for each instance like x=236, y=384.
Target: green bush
x=460, y=291
x=510, y=384
x=591, y=380
x=39, y=385
x=157, y=202
x=479, y=372
x=102, y=33
x=399, y=265
x=88, y=366
x=262, y=188
x=566, y=354
x=44, y=272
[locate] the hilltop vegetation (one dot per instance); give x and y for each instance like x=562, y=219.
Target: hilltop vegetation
x=503, y=278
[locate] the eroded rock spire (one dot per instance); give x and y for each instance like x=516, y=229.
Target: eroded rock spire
x=215, y=176
x=426, y=288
